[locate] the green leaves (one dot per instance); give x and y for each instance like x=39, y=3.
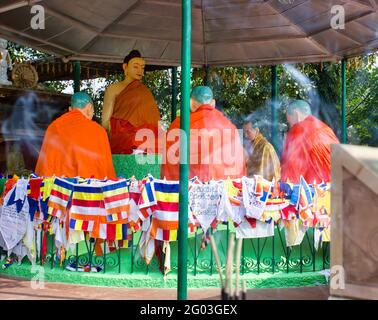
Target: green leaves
x=241, y=91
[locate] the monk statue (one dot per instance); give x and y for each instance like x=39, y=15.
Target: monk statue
x=128, y=107
x=307, y=148
x=263, y=159
x=215, y=149
x=74, y=145
x=5, y=63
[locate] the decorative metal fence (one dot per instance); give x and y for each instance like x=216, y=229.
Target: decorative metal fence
x=261, y=255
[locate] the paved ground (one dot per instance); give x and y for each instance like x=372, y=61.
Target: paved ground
x=11, y=289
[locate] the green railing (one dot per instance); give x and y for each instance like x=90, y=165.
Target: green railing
x=261, y=255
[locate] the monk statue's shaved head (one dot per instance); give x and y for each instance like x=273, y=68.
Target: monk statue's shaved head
x=202, y=94
x=84, y=103
x=199, y=96
x=79, y=100
x=299, y=105
x=297, y=111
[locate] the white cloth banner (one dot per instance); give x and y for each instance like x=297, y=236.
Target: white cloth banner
x=13, y=224
x=209, y=202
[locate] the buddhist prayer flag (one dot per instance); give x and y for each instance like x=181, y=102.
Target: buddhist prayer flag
x=116, y=231
x=59, y=197
x=81, y=225
x=117, y=200
x=255, y=195
x=110, y=210
x=305, y=203
x=161, y=197
x=87, y=205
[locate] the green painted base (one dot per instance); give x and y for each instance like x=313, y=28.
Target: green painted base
x=128, y=270
x=137, y=165
x=154, y=280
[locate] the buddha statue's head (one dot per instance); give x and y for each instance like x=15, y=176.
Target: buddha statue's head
x=133, y=66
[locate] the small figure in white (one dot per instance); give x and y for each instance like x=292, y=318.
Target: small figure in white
x=5, y=63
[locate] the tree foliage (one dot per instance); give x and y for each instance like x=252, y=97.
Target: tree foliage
x=244, y=91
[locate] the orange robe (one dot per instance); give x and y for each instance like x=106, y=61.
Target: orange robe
x=307, y=152
x=216, y=151
x=134, y=109
x=75, y=146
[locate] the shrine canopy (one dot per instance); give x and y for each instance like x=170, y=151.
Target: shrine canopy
x=224, y=32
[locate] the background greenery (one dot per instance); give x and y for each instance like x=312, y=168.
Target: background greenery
x=244, y=91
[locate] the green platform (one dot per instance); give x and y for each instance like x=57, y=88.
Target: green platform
x=267, y=263
x=154, y=280
x=257, y=269
x=138, y=165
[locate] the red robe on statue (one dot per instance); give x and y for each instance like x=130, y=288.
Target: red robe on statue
x=134, y=109
x=307, y=152
x=216, y=151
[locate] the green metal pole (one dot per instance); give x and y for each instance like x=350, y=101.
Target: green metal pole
x=174, y=94
x=274, y=107
x=182, y=290
x=343, y=101
x=76, y=75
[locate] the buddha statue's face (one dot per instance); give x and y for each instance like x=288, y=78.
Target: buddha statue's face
x=134, y=69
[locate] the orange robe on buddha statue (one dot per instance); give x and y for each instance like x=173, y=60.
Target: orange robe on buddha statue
x=134, y=109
